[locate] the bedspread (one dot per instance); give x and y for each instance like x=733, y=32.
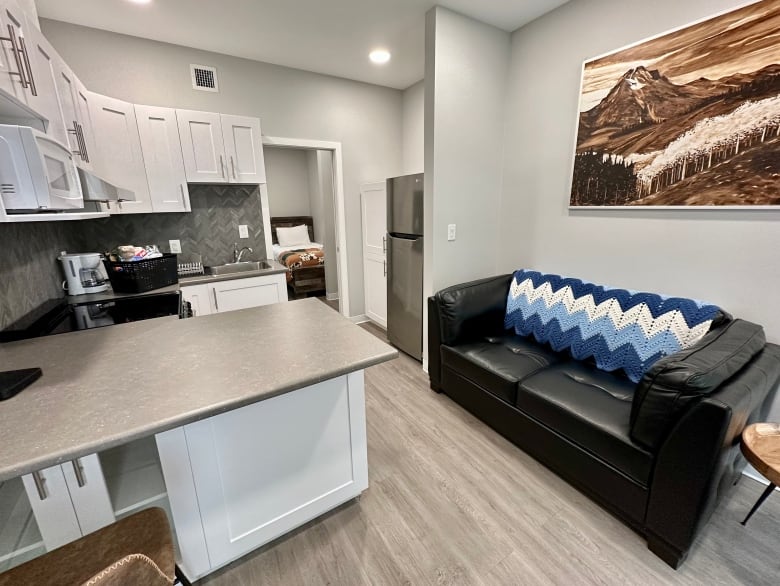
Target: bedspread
x=306, y=257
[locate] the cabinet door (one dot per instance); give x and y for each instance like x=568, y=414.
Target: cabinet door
x=66, y=94
x=161, y=148
x=88, y=493
x=243, y=149
x=14, y=70
x=52, y=507
x=121, y=159
x=315, y=459
x=20, y=539
x=245, y=293
x=84, y=115
x=198, y=298
x=202, y=145
x=44, y=61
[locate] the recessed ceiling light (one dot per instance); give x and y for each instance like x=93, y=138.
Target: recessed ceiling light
x=140, y=1
x=379, y=56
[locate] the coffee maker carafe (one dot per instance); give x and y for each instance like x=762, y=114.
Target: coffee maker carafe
x=84, y=273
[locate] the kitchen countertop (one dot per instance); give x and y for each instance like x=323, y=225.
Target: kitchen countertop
x=110, y=295
x=107, y=386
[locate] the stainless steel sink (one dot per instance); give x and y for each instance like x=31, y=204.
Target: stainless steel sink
x=237, y=267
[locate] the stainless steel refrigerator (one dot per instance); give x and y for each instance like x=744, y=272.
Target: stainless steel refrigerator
x=405, y=263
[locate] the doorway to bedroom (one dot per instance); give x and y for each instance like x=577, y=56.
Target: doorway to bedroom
x=302, y=220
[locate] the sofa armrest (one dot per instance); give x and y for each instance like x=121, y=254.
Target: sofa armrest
x=700, y=459
x=472, y=310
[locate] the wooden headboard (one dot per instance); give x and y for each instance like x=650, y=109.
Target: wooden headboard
x=289, y=222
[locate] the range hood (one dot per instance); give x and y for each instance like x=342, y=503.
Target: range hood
x=95, y=188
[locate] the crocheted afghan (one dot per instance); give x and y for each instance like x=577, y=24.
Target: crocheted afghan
x=616, y=327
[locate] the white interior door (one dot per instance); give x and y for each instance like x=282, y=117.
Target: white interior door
x=161, y=148
x=243, y=149
x=373, y=204
x=121, y=159
x=202, y=146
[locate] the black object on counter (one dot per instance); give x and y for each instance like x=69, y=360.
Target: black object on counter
x=13, y=381
x=143, y=275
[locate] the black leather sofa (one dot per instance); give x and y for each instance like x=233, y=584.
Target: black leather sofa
x=659, y=454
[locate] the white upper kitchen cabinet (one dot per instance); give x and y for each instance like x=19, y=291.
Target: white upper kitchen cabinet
x=161, y=148
x=202, y=146
x=219, y=148
x=17, y=78
x=44, y=60
x=121, y=160
x=243, y=149
x=71, y=99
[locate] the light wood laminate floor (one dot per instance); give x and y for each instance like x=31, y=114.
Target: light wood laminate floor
x=452, y=502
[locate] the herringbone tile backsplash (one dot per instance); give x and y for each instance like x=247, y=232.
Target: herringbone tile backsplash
x=29, y=271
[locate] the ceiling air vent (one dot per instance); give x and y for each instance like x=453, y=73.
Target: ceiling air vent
x=204, y=78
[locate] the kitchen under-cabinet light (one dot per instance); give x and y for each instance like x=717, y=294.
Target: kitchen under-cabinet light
x=379, y=56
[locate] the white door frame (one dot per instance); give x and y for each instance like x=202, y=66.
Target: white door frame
x=338, y=189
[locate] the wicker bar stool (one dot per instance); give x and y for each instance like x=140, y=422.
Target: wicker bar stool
x=135, y=550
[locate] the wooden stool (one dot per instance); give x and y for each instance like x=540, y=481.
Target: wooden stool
x=135, y=550
x=761, y=447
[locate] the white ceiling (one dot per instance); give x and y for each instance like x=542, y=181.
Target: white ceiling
x=332, y=37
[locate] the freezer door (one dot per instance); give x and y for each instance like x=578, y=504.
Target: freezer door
x=404, y=294
x=405, y=205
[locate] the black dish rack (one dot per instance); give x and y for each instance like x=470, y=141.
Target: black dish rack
x=142, y=275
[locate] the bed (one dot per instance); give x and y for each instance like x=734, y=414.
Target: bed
x=305, y=262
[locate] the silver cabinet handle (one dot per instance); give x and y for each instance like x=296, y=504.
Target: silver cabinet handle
x=11, y=38
x=81, y=480
x=82, y=147
x=384, y=267
x=85, y=156
x=216, y=301
x=181, y=190
x=233, y=166
x=30, y=79
x=39, y=480
x=384, y=243
x=222, y=166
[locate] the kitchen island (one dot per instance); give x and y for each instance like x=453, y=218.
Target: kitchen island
x=258, y=416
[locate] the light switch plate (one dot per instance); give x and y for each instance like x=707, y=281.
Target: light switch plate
x=243, y=231
x=175, y=246
x=450, y=231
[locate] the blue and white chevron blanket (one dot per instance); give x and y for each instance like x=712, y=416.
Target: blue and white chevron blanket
x=618, y=328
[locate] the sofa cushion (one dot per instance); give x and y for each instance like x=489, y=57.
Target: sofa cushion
x=675, y=382
x=590, y=408
x=498, y=363
x=620, y=329
x=469, y=311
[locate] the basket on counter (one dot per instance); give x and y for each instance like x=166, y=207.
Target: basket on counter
x=142, y=275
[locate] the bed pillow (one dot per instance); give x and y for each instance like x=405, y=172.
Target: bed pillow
x=293, y=236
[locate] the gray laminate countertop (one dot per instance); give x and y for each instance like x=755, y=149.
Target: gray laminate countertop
x=107, y=386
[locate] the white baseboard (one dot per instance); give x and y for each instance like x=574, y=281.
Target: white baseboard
x=359, y=319
x=332, y=296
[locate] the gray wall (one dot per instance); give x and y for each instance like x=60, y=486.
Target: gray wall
x=287, y=178
x=413, y=130
x=366, y=119
x=466, y=69
x=726, y=257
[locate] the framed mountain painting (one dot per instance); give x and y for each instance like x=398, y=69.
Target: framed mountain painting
x=688, y=118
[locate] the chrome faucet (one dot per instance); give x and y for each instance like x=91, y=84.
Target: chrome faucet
x=237, y=254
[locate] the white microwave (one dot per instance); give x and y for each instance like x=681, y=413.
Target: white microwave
x=37, y=173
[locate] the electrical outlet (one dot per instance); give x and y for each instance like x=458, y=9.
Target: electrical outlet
x=243, y=231
x=175, y=246
x=450, y=231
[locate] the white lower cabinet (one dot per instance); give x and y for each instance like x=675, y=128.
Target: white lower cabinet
x=235, y=294
x=69, y=500
x=243, y=478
